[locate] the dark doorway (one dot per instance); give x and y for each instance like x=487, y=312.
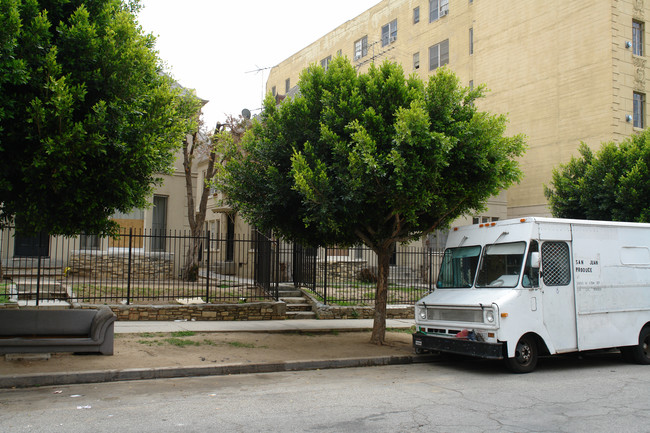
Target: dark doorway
x=159, y=223
x=32, y=245
x=230, y=237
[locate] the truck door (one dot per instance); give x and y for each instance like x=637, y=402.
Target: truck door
x=558, y=296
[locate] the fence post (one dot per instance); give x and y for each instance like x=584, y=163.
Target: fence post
x=430, y=267
x=207, y=268
x=38, y=269
x=325, y=279
x=277, y=269
x=128, y=269
x=314, y=279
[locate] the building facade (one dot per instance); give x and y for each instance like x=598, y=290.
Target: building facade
x=564, y=72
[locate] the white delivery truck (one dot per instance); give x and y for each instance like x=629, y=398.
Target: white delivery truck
x=516, y=289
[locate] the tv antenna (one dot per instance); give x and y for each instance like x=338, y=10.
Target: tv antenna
x=257, y=71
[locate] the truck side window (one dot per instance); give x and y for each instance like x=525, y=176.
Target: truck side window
x=556, y=264
x=531, y=274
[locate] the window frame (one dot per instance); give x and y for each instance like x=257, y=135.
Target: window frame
x=389, y=33
x=438, y=9
x=438, y=51
x=638, y=110
x=325, y=63
x=362, y=50
x=638, y=29
x=471, y=41
x=552, y=269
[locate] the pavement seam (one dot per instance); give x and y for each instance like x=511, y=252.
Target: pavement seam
x=101, y=376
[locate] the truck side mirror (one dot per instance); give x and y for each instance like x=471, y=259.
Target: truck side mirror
x=534, y=260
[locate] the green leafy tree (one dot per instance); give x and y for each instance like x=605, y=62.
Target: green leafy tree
x=376, y=157
x=612, y=185
x=88, y=120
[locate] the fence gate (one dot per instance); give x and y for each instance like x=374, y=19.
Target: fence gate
x=266, y=258
x=304, y=266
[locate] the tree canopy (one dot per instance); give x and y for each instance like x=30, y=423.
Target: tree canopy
x=88, y=120
x=612, y=184
x=376, y=158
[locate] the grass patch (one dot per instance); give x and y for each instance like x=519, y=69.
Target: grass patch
x=179, y=342
x=151, y=342
x=149, y=334
x=183, y=334
x=244, y=345
x=410, y=330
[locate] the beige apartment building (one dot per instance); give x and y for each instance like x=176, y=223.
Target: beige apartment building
x=563, y=71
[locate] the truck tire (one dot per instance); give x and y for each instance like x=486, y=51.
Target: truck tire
x=526, y=353
x=640, y=353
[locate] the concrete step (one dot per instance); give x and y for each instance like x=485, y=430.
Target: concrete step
x=298, y=307
x=301, y=315
x=293, y=299
x=27, y=290
x=289, y=293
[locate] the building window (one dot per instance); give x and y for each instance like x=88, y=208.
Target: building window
x=361, y=48
x=439, y=55
x=273, y=91
x=484, y=219
x=416, y=61
x=437, y=9
x=325, y=63
x=471, y=84
x=639, y=110
x=389, y=33
x=471, y=41
x=88, y=242
x=637, y=38
x=287, y=85
x=416, y=15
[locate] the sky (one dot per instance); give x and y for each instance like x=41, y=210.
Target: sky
x=224, y=48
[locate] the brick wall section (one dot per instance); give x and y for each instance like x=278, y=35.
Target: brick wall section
x=249, y=311
x=206, y=312
x=340, y=312
x=104, y=265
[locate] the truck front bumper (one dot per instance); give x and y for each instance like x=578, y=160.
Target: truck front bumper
x=480, y=349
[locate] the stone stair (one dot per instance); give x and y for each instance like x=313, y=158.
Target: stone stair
x=47, y=289
x=298, y=307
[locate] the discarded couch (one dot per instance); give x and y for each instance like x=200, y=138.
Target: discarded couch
x=48, y=331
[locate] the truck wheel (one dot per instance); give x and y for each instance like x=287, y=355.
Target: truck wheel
x=641, y=352
x=525, y=359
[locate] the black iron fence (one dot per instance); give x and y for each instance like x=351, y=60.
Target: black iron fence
x=150, y=266
x=138, y=266
x=348, y=276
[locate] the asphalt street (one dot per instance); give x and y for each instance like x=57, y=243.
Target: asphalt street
x=596, y=393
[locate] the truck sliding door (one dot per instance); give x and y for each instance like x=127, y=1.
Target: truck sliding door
x=558, y=296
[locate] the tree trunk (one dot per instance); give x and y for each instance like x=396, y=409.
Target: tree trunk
x=191, y=268
x=381, y=297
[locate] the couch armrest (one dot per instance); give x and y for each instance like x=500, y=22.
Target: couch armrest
x=103, y=318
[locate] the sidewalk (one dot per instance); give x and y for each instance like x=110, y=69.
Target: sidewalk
x=237, y=347
x=308, y=325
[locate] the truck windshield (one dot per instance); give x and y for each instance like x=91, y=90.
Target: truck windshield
x=501, y=265
x=458, y=267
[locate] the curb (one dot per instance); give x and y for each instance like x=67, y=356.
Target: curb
x=56, y=379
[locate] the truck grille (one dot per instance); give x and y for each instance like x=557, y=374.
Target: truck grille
x=455, y=315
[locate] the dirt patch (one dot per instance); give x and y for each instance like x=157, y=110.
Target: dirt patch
x=187, y=349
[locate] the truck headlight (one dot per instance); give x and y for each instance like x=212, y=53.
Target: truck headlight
x=423, y=313
x=489, y=316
